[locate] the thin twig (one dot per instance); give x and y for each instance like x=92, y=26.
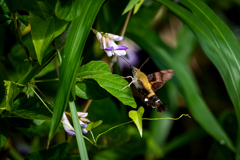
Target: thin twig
x=87, y=105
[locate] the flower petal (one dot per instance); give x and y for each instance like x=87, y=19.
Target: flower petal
x=71, y=132
x=120, y=52
x=109, y=53
x=120, y=47
x=83, y=119
x=108, y=48
x=67, y=126
x=84, y=131
x=99, y=36
x=115, y=37
x=82, y=114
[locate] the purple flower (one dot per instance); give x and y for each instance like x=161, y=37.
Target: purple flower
x=108, y=45
x=69, y=128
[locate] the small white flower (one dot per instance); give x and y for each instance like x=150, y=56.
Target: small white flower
x=69, y=128
x=108, y=45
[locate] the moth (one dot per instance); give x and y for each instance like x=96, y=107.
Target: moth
x=147, y=85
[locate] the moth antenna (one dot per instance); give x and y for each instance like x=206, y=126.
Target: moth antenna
x=144, y=63
x=126, y=61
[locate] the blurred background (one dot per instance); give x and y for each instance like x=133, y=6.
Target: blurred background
x=163, y=139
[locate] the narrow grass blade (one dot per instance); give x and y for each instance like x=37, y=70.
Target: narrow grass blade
x=75, y=42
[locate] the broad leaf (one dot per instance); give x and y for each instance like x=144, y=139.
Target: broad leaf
x=136, y=116
x=55, y=152
x=44, y=31
x=25, y=5
x=68, y=10
x=90, y=89
x=4, y=131
x=93, y=125
x=31, y=108
x=101, y=72
x=11, y=91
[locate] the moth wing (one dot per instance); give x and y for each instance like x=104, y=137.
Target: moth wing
x=158, y=79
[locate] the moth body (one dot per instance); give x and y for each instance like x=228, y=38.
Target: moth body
x=147, y=85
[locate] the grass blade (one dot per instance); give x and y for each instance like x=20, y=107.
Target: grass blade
x=75, y=42
x=77, y=128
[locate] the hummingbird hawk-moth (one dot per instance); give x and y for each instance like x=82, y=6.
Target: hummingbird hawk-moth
x=147, y=85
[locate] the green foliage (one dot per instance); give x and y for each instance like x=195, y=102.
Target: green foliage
x=25, y=5
x=29, y=108
x=68, y=10
x=113, y=83
x=4, y=131
x=45, y=30
x=11, y=91
x=55, y=152
x=93, y=125
x=90, y=89
x=136, y=116
x=79, y=30
x=58, y=34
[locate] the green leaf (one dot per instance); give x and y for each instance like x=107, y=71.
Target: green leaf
x=136, y=116
x=24, y=19
x=25, y=5
x=68, y=10
x=4, y=131
x=44, y=31
x=31, y=108
x=226, y=57
x=55, y=152
x=90, y=89
x=137, y=6
x=101, y=72
x=4, y=11
x=78, y=33
x=130, y=5
x=78, y=130
x=93, y=125
x=11, y=91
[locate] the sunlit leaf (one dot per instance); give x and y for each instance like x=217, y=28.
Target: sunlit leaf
x=101, y=72
x=130, y=5
x=137, y=6
x=136, y=116
x=11, y=91
x=68, y=10
x=44, y=31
